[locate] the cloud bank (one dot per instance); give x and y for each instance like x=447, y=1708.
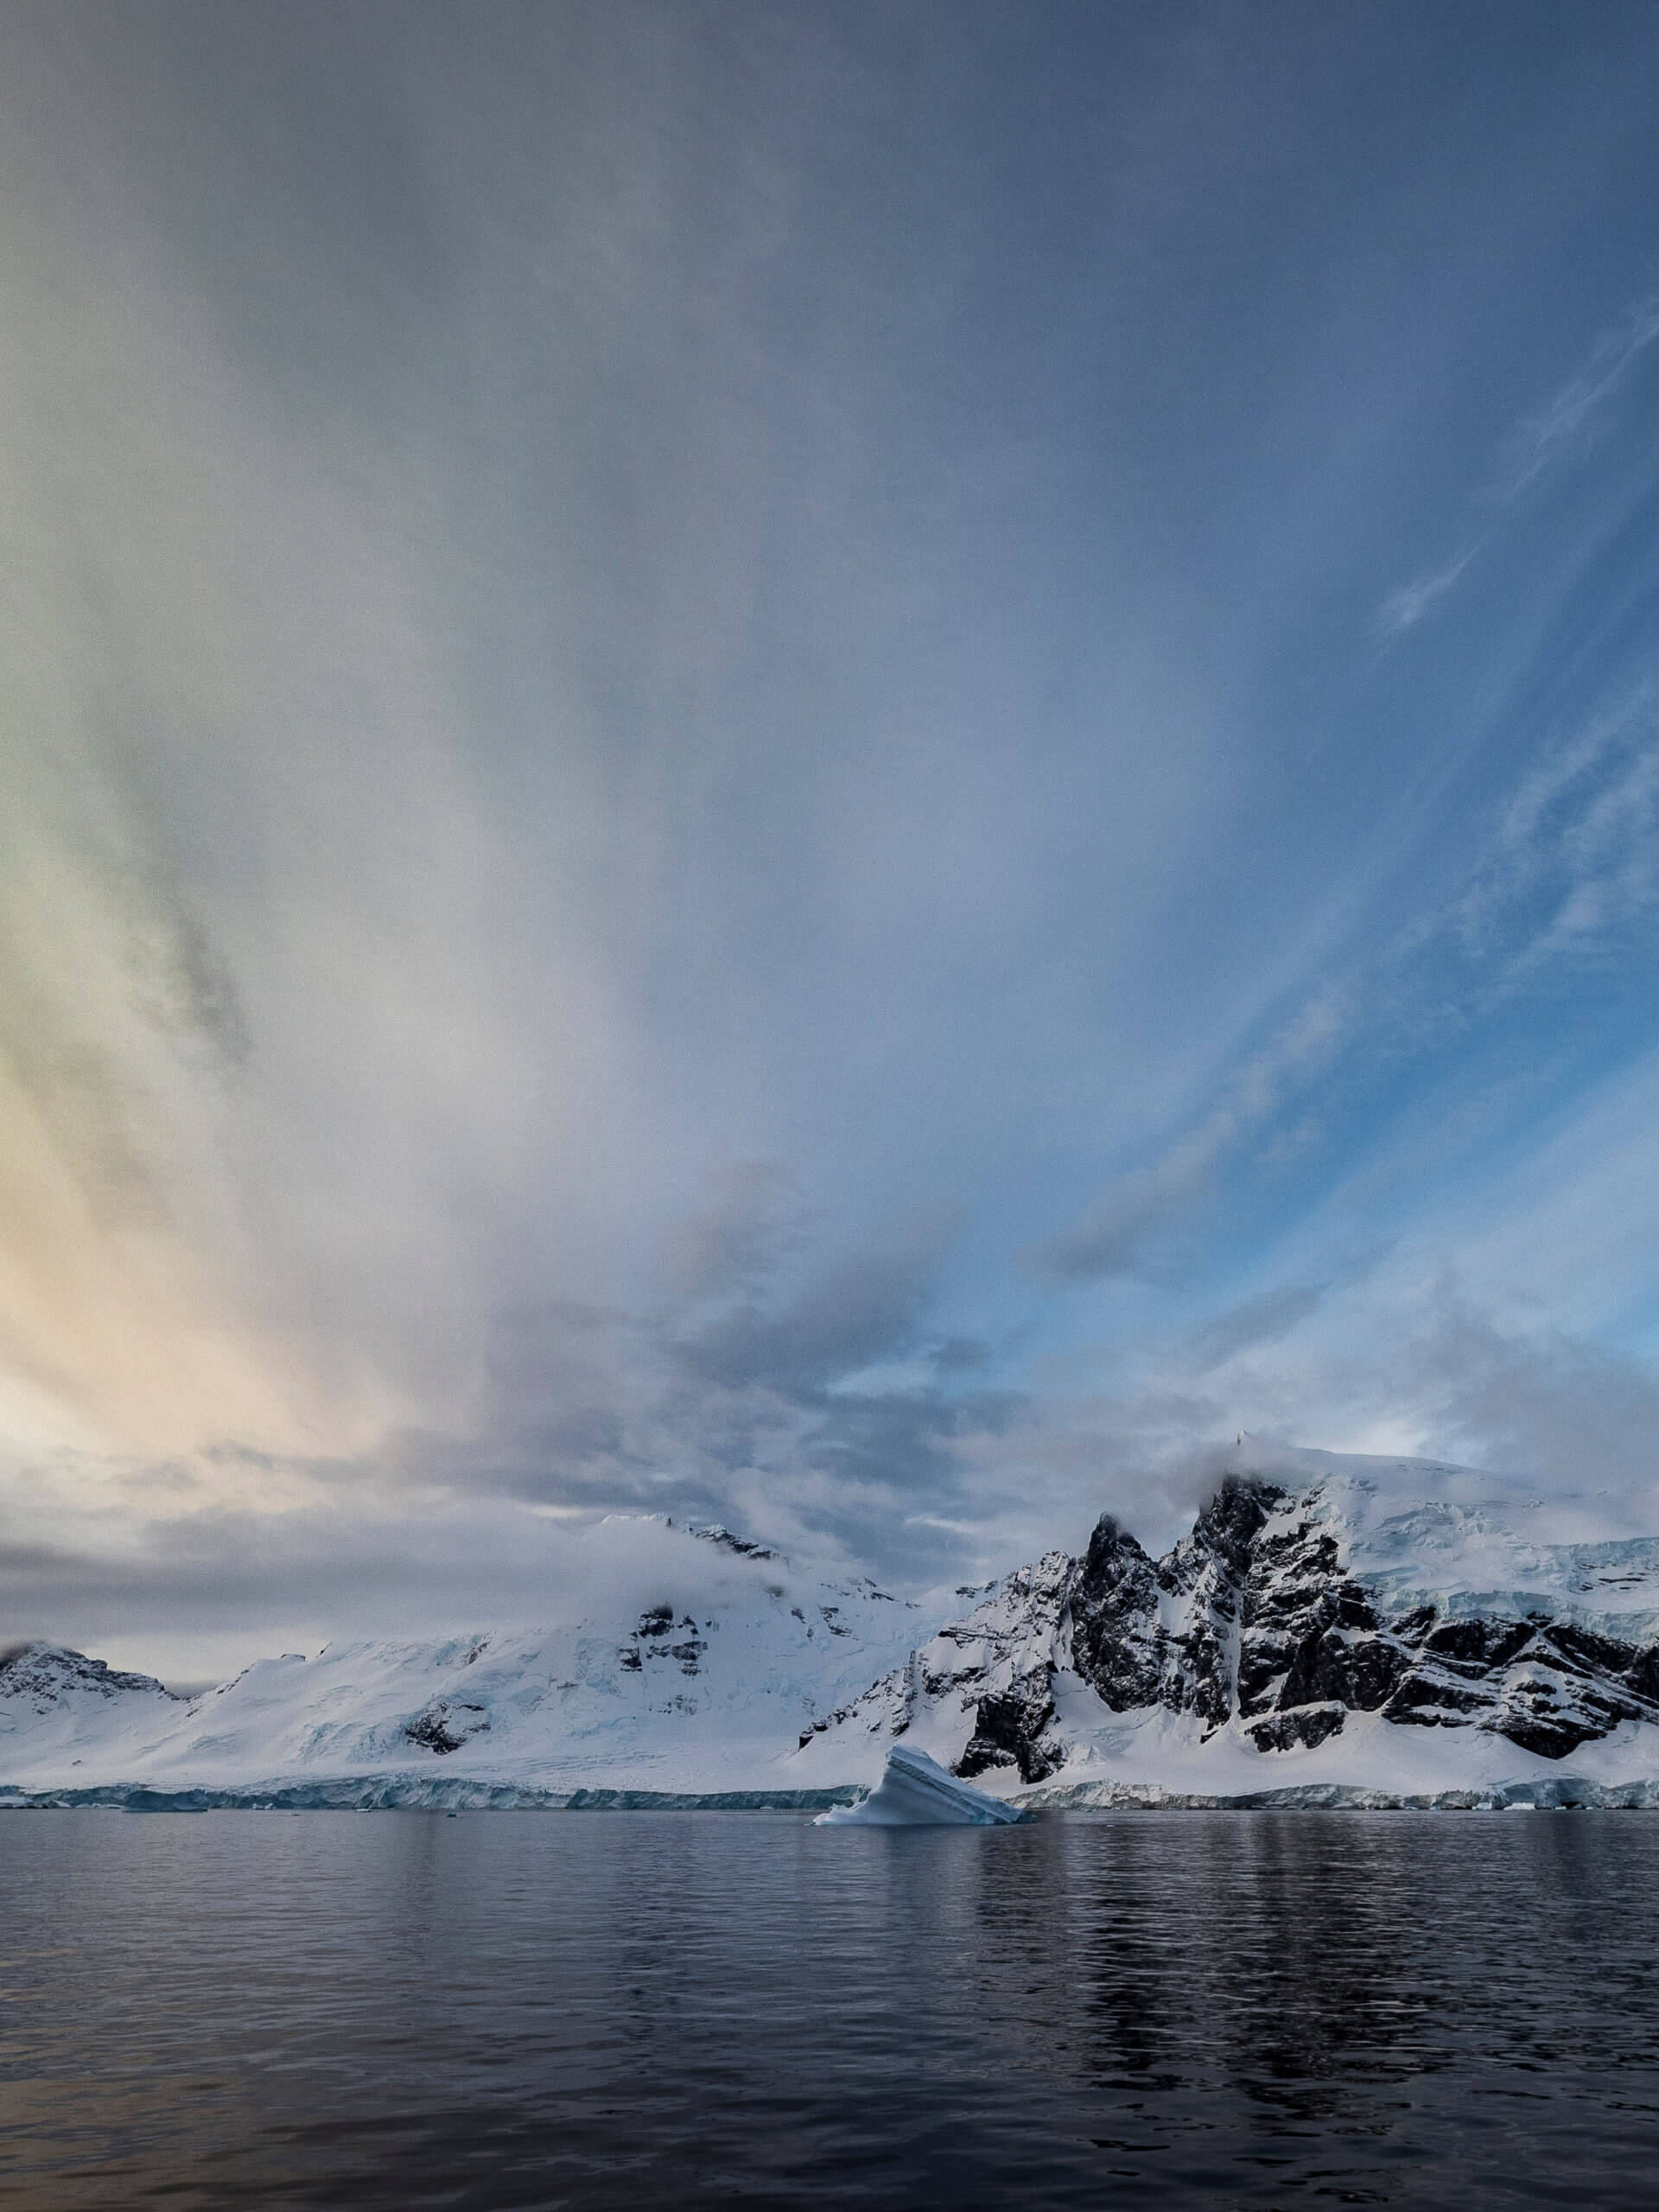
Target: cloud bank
x=720, y=798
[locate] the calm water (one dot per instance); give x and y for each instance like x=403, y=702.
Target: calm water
x=638, y=2010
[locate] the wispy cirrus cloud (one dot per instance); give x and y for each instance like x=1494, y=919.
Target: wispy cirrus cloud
x=1568, y=874
x=1539, y=440
x=1137, y=1227
x=1575, y=859
x=1533, y=446
x=1403, y=609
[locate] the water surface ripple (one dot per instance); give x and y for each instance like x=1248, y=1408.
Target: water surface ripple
x=593, y=2010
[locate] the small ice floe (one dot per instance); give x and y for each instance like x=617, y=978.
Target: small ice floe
x=917, y=1792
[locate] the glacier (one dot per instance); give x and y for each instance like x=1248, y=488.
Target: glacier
x=1332, y=1631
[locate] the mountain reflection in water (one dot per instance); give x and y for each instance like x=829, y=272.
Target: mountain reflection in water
x=517, y=2010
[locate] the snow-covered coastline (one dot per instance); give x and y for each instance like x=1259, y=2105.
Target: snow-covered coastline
x=1334, y=1632
x=704, y=1658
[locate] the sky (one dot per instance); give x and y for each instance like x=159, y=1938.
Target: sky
x=854, y=768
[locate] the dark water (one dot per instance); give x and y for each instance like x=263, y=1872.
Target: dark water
x=510, y=2009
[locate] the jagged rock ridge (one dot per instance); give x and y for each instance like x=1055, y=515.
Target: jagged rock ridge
x=1258, y=1622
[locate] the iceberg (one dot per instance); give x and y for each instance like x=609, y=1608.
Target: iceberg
x=915, y=1791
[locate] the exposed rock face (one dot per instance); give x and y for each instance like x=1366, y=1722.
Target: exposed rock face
x=1255, y=1618
x=1167, y=1633
x=651, y=1638
x=446, y=1723
x=1547, y=1685
x=996, y=1664
x=1308, y=1632
x=46, y=1674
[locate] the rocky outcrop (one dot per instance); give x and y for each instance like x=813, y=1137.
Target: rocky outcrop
x=653, y=1639
x=1257, y=1621
x=46, y=1674
x=1546, y=1684
x=995, y=1666
x=445, y=1724
x=1167, y=1633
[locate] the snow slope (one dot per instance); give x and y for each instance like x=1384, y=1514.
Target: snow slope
x=704, y=1658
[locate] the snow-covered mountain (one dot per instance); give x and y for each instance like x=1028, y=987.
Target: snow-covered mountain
x=703, y=1656
x=1332, y=1627
x=1332, y=1631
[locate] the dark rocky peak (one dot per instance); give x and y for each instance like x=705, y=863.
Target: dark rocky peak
x=1163, y=1633
x=1218, y=1555
x=1269, y=1619
x=1111, y=1542
x=48, y=1673
x=714, y=1532
x=1114, y=1573
x=1307, y=1631
x=1229, y=1525
x=1113, y=1606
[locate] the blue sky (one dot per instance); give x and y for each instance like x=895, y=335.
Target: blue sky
x=857, y=768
